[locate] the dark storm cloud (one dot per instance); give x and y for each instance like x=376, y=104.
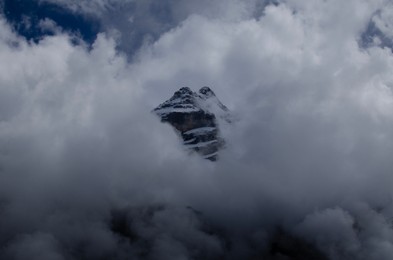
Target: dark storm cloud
x=87, y=172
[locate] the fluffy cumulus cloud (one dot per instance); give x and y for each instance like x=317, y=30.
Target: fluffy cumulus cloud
x=88, y=172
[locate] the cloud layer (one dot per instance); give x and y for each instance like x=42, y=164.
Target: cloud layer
x=88, y=172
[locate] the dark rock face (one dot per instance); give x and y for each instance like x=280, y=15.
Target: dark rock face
x=194, y=116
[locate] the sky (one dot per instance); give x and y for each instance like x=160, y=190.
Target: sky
x=88, y=172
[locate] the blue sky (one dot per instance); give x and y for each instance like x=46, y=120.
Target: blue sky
x=26, y=15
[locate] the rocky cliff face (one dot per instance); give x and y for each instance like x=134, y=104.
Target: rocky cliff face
x=194, y=116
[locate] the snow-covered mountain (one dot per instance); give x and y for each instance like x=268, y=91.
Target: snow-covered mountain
x=196, y=118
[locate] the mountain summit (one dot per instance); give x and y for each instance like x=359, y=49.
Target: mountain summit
x=194, y=116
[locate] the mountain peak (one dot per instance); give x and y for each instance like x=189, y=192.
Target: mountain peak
x=184, y=90
x=206, y=92
x=194, y=116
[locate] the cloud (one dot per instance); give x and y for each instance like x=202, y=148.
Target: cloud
x=95, y=6
x=37, y=246
x=360, y=233
x=135, y=23
x=87, y=171
x=384, y=20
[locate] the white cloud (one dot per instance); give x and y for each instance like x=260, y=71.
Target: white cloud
x=48, y=25
x=151, y=18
